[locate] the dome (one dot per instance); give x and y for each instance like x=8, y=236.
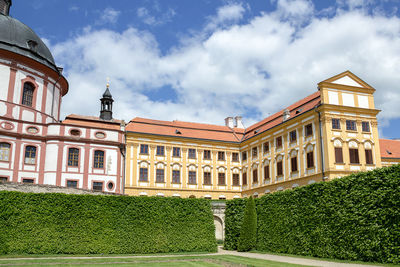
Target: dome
x=19, y=38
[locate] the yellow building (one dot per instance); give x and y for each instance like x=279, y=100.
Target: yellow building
x=328, y=134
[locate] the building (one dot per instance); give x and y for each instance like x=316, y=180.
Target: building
x=35, y=147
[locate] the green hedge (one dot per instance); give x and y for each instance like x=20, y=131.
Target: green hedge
x=248, y=231
x=234, y=214
x=86, y=224
x=353, y=218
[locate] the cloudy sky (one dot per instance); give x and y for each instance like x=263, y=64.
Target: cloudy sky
x=204, y=60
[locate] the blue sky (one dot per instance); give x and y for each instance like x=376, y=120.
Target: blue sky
x=205, y=60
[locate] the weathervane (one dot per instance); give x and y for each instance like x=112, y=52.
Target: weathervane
x=108, y=82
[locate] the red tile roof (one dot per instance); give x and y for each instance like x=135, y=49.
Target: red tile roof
x=390, y=148
x=91, y=121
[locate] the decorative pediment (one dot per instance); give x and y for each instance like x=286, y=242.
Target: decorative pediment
x=347, y=78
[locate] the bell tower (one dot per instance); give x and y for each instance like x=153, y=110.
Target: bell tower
x=5, y=7
x=106, y=104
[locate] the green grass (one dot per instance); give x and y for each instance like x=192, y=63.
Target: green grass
x=217, y=260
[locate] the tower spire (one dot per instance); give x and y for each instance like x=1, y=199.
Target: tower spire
x=106, y=103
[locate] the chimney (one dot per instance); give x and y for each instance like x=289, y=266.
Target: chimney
x=238, y=122
x=229, y=122
x=5, y=7
x=286, y=115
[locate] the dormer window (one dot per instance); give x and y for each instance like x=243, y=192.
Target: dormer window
x=32, y=45
x=27, y=94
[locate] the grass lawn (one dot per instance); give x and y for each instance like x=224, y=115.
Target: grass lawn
x=217, y=260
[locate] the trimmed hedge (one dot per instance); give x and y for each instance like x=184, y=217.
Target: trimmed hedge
x=352, y=218
x=85, y=224
x=248, y=231
x=234, y=214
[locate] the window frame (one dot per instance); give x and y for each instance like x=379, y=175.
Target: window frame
x=278, y=142
x=98, y=182
x=336, y=126
x=279, y=168
x=176, y=174
x=349, y=124
x=72, y=180
x=206, y=154
x=244, y=178
x=160, y=149
x=293, y=163
x=219, y=157
x=208, y=176
x=255, y=176
x=34, y=153
x=369, y=155
x=293, y=136
x=354, y=159
x=235, y=157
x=74, y=159
x=190, y=177
x=267, y=175
x=235, y=179
x=339, y=155
x=8, y=151
x=144, y=149
x=310, y=161
x=176, y=152
x=266, y=147
x=254, y=152
x=96, y=159
x=158, y=175
x=142, y=176
x=192, y=153
x=24, y=96
x=221, y=175
x=365, y=126
x=308, y=130
x=244, y=155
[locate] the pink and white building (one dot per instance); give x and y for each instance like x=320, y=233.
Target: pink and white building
x=35, y=147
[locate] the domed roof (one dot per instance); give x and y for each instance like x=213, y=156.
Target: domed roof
x=19, y=38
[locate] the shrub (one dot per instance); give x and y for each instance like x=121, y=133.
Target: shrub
x=233, y=222
x=248, y=231
x=86, y=224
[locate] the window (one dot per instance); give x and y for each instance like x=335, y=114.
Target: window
x=192, y=177
x=3, y=179
x=30, y=155
x=244, y=178
x=255, y=176
x=244, y=156
x=192, y=153
x=98, y=159
x=176, y=176
x=293, y=164
x=160, y=151
x=28, y=181
x=368, y=156
x=75, y=132
x=354, y=156
x=100, y=135
x=144, y=149
x=308, y=130
x=266, y=147
x=235, y=157
x=160, y=176
x=97, y=186
x=365, y=126
x=207, y=178
x=73, y=157
x=310, y=159
x=221, y=178
x=207, y=154
x=143, y=174
x=338, y=155
x=5, y=151
x=221, y=155
x=278, y=142
x=266, y=172
x=235, y=179
x=279, y=168
x=27, y=95
x=351, y=125
x=293, y=136
x=72, y=184
x=176, y=152
x=110, y=185
x=336, y=124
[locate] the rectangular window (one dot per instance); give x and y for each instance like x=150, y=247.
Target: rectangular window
x=221, y=155
x=30, y=155
x=191, y=153
x=308, y=131
x=293, y=136
x=3, y=179
x=336, y=124
x=310, y=159
x=73, y=157
x=338, y=155
x=144, y=149
x=244, y=178
x=5, y=151
x=235, y=179
x=235, y=157
x=176, y=152
x=176, y=176
x=244, y=156
x=28, y=181
x=98, y=159
x=266, y=147
x=351, y=125
x=207, y=178
x=207, y=154
x=160, y=176
x=160, y=151
x=278, y=142
x=72, y=184
x=221, y=178
x=27, y=94
x=255, y=176
x=192, y=177
x=365, y=126
x=293, y=164
x=97, y=186
x=368, y=156
x=266, y=172
x=279, y=168
x=354, y=156
x=143, y=174
x=254, y=152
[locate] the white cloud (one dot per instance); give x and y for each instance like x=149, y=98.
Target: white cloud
x=109, y=15
x=252, y=69
x=144, y=14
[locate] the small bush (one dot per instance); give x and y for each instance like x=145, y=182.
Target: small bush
x=248, y=231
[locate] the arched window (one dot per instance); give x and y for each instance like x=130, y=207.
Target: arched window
x=27, y=95
x=73, y=157
x=5, y=151
x=98, y=159
x=30, y=155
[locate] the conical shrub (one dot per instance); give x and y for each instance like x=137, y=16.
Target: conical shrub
x=248, y=232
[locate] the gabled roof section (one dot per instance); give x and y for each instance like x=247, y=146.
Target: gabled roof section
x=347, y=78
x=185, y=130
x=295, y=110
x=390, y=148
x=92, y=121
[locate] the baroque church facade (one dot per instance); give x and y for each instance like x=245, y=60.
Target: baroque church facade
x=326, y=135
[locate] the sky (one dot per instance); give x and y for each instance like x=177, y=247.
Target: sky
x=205, y=60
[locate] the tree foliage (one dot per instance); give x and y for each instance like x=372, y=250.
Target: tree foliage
x=248, y=231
